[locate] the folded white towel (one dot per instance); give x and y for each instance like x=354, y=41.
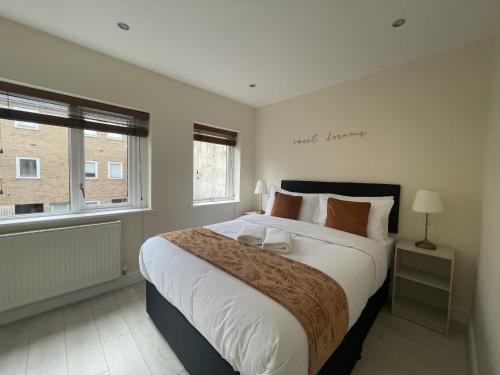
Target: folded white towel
x=277, y=240
x=251, y=234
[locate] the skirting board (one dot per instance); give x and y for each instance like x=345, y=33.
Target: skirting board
x=67, y=299
x=471, y=346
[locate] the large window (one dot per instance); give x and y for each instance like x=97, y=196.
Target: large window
x=56, y=169
x=213, y=164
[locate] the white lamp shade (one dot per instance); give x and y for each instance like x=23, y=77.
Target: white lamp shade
x=428, y=202
x=261, y=187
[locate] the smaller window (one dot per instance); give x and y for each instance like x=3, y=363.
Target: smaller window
x=26, y=125
x=115, y=170
x=90, y=133
x=90, y=169
x=27, y=167
x=119, y=200
x=59, y=207
x=22, y=209
x=117, y=137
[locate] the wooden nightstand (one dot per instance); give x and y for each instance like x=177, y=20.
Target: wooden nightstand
x=423, y=284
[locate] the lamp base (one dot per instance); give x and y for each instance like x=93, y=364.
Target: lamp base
x=425, y=244
x=261, y=212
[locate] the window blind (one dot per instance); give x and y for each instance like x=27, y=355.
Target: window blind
x=209, y=134
x=23, y=103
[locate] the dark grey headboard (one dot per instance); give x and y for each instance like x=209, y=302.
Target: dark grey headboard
x=354, y=189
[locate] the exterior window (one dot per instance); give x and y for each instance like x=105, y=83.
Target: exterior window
x=27, y=167
x=31, y=208
x=115, y=136
x=115, y=171
x=26, y=125
x=92, y=204
x=119, y=200
x=90, y=169
x=60, y=207
x=90, y=133
x=213, y=164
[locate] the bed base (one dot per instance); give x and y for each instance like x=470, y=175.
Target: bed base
x=200, y=358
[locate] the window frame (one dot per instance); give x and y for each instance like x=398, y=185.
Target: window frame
x=18, y=168
x=23, y=125
x=109, y=170
x=230, y=176
x=114, y=136
x=96, y=164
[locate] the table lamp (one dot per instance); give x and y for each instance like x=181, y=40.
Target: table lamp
x=427, y=202
x=261, y=188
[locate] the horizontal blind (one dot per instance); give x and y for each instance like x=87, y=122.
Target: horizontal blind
x=210, y=134
x=22, y=103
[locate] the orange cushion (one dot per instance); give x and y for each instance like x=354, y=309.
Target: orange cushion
x=348, y=216
x=287, y=206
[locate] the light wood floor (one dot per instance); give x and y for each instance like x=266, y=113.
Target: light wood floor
x=112, y=334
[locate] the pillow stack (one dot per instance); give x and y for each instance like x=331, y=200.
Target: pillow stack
x=363, y=216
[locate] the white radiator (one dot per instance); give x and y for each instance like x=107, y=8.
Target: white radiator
x=46, y=263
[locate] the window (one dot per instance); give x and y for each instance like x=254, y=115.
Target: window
x=90, y=133
x=117, y=137
x=115, y=170
x=90, y=169
x=70, y=149
x=213, y=164
x=27, y=167
x=25, y=124
x=31, y=208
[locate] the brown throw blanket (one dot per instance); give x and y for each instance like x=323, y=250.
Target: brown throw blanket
x=316, y=300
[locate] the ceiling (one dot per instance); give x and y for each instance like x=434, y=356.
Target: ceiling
x=286, y=47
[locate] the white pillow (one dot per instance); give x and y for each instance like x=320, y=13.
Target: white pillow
x=307, y=209
x=378, y=218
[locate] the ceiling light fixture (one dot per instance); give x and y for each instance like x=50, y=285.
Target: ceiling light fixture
x=123, y=26
x=252, y=85
x=399, y=22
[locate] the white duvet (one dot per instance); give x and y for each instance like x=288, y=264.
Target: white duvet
x=255, y=334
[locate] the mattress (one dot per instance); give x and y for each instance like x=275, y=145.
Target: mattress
x=255, y=334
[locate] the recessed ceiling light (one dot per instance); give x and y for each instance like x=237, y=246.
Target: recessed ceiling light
x=252, y=85
x=123, y=26
x=399, y=22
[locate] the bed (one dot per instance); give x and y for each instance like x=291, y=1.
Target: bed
x=216, y=323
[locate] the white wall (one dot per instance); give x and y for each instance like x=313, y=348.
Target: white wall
x=425, y=122
x=39, y=59
x=486, y=311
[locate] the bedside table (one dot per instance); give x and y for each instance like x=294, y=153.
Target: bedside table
x=422, y=285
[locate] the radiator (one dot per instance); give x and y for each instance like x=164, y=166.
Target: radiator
x=41, y=264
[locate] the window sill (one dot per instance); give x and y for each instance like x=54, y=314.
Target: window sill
x=70, y=217
x=214, y=203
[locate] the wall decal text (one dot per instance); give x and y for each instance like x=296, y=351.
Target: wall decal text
x=331, y=137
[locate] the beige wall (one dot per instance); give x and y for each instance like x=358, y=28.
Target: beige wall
x=425, y=122
x=36, y=58
x=486, y=311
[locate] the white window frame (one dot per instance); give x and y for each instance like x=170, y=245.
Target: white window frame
x=90, y=133
x=109, y=170
x=67, y=204
x=26, y=125
x=96, y=170
x=114, y=136
x=230, y=176
x=18, y=168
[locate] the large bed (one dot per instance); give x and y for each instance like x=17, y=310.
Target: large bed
x=217, y=324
